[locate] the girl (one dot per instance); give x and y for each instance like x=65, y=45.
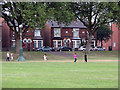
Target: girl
x=11, y=56
x=75, y=57
x=45, y=57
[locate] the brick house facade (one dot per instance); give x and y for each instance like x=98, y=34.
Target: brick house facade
x=53, y=35
x=60, y=35
x=31, y=40
x=4, y=35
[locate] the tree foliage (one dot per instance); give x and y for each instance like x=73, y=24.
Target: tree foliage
x=33, y=14
x=30, y=14
x=93, y=15
x=103, y=33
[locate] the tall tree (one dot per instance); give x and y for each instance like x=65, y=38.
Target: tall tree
x=103, y=33
x=32, y=15
x=92, y=15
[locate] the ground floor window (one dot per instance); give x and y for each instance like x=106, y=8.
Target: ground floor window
x=114, y=44
x=57, y=43
x=38, y=43
x=76, y=43
x=93, y=43
x=13, y=43
x=35, y=46
x=54, y=42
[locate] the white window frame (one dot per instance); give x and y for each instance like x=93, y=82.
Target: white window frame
x=13, y=42
x=36, y=30
x=76, y=43
x=114, y=44
x=74, y=32
x=59, y=31
x=57, y=43
x=37, y=43
x=94, y=43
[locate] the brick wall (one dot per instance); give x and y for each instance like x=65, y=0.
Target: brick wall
x=115, y=38
x=5, y=36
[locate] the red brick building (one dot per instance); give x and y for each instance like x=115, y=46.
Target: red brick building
x=60, y=35
x=53, y=35
x=31, y=40
x=4, y=35
x=114, y=39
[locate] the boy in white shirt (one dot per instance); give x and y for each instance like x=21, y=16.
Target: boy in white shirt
x=45, y=57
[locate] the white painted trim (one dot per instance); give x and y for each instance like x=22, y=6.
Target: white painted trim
x=54, y=32
x=76, y=43
x=37, y=42
x=57, y=43
x=94, y=42
x=75, y=29
x=13, y=40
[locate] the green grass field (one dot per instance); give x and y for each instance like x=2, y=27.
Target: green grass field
x=94, y=55
x=59, y=75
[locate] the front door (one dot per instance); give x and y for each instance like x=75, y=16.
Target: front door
x=28, y=46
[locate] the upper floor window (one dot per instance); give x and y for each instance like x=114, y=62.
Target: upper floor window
x=76, y=32
x=57, y=32
x=83, y=32
x=37, y=32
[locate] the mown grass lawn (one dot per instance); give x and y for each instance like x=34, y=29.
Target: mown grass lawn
x=59, y=75
x=97, y=55
x=94, y=55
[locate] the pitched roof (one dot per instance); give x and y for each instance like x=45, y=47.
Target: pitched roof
x=73, y=24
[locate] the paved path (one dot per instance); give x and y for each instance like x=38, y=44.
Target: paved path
x=63, y=61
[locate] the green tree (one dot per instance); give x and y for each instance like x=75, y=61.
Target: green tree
x=92, y=15
x=32, y=15
x=103, y=33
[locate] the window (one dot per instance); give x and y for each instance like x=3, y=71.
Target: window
x=114, y=44
x=57, y=32
x=73, y=44
x=83, y=32
x=66, y=31
x=29, y=41
x=37, y=32
x=76, y=33
x=93, y=43
x=76, y=43
x=35, y=44
x=59, y=43
x=54, y=43
x=24, y=40
x=13, y=43
x=39, y=44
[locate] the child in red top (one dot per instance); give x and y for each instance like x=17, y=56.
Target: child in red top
x=11, y=56
x=75, y=57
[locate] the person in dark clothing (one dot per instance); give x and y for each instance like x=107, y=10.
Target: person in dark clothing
x=85, y=57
